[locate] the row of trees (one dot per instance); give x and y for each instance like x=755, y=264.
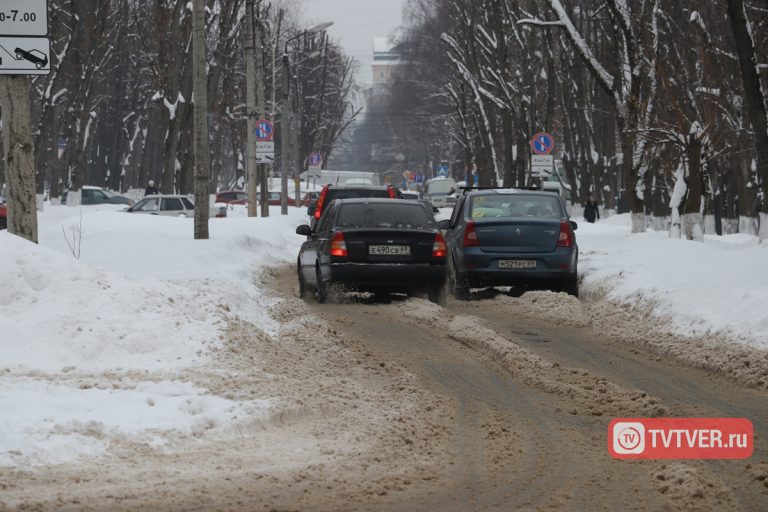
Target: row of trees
x=657, y=105
x=117, y=108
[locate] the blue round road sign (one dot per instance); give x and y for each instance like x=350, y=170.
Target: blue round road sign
x=264, y=130
x=542, y=143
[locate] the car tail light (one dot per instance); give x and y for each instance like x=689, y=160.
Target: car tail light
x=392, y=193
x=439, y=248
x=566, y=235
x=470, y=235
x=320, y=202
x=338, y=246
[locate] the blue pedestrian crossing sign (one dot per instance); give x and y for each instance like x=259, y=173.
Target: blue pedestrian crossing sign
x=442, y=170
x=542, y=143
x=264, y=130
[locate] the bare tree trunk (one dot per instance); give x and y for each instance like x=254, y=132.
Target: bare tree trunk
x=251, y=113
x=202, y=155
x=755, y=100
x=19, y=156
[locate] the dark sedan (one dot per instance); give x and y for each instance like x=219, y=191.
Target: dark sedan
x=373, y=245
x=511, y=237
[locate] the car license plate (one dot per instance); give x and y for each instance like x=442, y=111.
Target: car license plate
x=517, y=264
x=389, y=250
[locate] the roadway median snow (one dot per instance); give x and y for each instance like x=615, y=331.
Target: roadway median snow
x=592, y=395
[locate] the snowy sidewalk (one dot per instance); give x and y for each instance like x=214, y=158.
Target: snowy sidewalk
x=720, y=285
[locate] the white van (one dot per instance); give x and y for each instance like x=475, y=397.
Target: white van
x=441, y=192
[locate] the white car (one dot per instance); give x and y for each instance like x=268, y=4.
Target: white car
x=169, y=206
x=441, y=192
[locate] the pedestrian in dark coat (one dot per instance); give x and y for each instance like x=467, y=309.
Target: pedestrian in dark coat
x=151, y=189
x=591, y=212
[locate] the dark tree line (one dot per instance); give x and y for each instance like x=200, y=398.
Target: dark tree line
x=117, y=108
x=658, y=106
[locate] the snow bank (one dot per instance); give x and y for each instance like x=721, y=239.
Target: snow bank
x=66, y=422
x=718, y=285
x=142, y=304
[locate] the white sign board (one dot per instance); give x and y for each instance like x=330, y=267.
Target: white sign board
x=542, y=165
x=25, y=56
x=24, y=18
x=265, y=152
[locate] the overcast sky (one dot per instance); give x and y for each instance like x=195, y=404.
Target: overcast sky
x=356, y=23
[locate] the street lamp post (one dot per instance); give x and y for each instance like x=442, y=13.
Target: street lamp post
x=284, y=121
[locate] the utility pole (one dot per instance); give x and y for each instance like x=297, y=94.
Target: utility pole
x=262, y=169
x=19, y=156
x=284, y=136
x=251, y=81
x=200, y=88
x=296, y=113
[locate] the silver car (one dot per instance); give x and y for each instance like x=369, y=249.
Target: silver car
x=169, y=206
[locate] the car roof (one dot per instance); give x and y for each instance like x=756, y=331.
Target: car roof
x=505, y=191
x=357, y=187
x=164, y=196
x=378, y=200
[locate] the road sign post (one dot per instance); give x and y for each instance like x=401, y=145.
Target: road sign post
x=542, y=144
x=264, y=130
x=542, y=165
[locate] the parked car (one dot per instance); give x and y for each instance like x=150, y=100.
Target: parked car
x=331, y=193
x=441, y=192
x=3, y=217
x=170, y=206
x=373, y=245
x=275, y=199
x=97, y=195
x=511, y=237
x=310, y=198
x=232, y=197
x=411, y=194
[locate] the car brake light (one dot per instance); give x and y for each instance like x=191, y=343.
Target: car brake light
x=566, y=235
x=470, y=235
x=320, y=201
x=439, y=248
x=338, y=246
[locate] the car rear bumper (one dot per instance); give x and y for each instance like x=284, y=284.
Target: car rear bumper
x=387, y=277
x=479, y=268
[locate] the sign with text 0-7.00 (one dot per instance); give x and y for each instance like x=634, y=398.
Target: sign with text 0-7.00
x=24, y=18
x=23, y=48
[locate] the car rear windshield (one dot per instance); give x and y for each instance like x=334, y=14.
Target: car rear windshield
x=385, y=215
x=515, y=205
x=355, y=193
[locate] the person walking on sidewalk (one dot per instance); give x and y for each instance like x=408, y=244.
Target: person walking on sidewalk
x=591, y=211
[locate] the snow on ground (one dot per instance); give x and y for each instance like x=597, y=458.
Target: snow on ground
x=143, y=297
x=720, y=285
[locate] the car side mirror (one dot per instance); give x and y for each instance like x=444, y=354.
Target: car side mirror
x=574, y=226
x=311, y=210
x=444, y=224
x=304, y=230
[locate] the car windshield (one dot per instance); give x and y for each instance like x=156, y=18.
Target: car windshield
x=515, y=205
x=384, y=215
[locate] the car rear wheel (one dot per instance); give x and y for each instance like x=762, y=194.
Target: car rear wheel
x=3, y=224
x=570, y=286
x=456, y=283
x=302, y=283
x=321, y=291
x=436, y=294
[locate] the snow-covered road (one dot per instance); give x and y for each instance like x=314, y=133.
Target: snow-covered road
x=153, y=350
